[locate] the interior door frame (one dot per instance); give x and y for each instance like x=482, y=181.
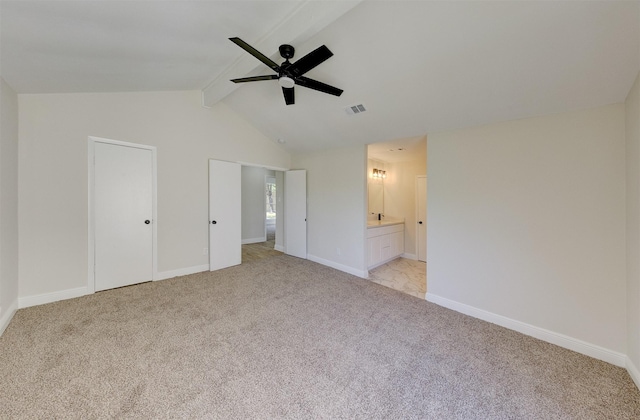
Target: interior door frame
x=91, y=279
x=273, y=168
x=275, y=222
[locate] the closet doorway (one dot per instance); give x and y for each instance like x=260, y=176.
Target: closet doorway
x=246, y=196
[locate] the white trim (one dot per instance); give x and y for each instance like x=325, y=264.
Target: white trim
x=258, y=165
x=27, y=301
x=278, y=248
x=91, y=281
x=360, y=273
x=633, y=372
x=202, y=102
x=376, y=265
x=91, y=153
x=264, y=201
x=552, y=337
x=409, y=256
x=254, y=240
x=6, y=318
x=181, y=272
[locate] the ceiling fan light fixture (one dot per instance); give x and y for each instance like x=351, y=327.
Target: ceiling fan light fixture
x=290, y=74
x=286, y=82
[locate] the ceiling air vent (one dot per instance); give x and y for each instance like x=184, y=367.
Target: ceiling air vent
x=355, y=109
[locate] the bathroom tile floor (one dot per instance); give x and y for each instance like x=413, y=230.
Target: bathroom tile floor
x=405, y=275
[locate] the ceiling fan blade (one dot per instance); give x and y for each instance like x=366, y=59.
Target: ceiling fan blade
x=257, y=54
x=255, y=78
x=289, y=96
x=309, y=61
x=315, y=85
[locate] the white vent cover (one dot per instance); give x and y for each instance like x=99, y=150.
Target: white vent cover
x=355, y=109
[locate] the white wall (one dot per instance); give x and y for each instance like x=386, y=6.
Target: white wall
x=8, y=203
x=526, y=221
x=53, y=174
x=336, y=207
x=400, y=197
x=253, y=204
x=632, y=125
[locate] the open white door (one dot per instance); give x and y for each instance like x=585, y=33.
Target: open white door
x=295, y=213
x=123, y=203
x=421, y=200
x=225, y=214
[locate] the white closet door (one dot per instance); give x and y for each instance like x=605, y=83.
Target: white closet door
x=123, y=209
x=422, y=217
x=225, y=214
x=295, y=213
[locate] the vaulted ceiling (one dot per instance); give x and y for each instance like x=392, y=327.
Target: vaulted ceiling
x=418, y=67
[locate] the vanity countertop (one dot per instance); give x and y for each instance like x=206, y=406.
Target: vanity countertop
x=385, y=222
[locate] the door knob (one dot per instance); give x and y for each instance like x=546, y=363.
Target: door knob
x=213, y=222
x=420, y=222
x=146, y=222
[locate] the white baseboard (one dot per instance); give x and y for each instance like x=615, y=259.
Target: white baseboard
x=338, y=266
x=371, y=267
x=558, y=339
x=8, y=315
x=410, y=256
x=279, y=248
x=633, y=372
x=254, y=240
x=27, y=301
x=163, y=275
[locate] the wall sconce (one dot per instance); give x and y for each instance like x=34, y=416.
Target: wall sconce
x=379, y=173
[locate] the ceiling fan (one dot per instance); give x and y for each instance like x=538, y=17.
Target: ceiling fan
x=290, y=74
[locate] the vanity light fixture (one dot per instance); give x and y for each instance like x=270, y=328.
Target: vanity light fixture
x=379, y=173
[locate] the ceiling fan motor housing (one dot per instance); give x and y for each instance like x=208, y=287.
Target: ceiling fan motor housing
x=287, y=51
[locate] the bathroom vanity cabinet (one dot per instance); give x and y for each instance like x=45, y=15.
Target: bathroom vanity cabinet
x=385, y=241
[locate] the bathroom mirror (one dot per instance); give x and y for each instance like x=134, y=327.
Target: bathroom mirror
x=376, y=196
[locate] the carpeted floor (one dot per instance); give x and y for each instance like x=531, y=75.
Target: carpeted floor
x=287, y=338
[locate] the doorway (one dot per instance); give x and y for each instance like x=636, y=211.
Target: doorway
x=122, y=213
x=248, y=200
x=271, y=220
x=396, y=227
x=261, y=194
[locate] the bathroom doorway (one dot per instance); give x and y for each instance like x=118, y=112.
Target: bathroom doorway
x=396, y=226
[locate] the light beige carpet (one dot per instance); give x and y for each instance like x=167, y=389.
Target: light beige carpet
x=288, y=338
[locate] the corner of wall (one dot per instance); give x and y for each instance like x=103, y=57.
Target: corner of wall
x=633, y=372
x=632, y=225
x=8, y=203
x=7, y=315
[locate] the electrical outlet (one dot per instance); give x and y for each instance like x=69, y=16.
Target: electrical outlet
x=205, y=251
x=338, y=251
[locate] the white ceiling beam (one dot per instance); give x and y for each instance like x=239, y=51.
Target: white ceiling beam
x=298, y=27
